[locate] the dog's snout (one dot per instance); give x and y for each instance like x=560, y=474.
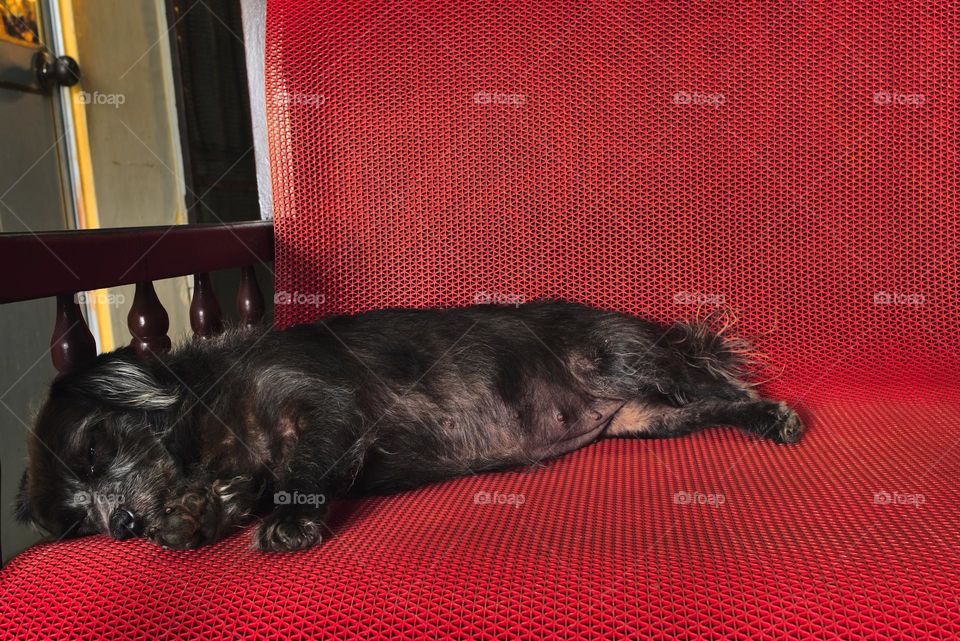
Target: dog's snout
x=124, y=524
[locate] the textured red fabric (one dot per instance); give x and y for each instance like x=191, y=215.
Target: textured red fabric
x=795, y=162
x=601, y=547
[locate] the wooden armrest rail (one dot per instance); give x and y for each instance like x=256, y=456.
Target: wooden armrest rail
x=62, y=264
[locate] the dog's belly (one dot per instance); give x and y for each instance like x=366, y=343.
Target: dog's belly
x=402, y=458
x=578, y=430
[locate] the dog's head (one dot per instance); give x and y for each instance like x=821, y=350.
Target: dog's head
x=97, y=455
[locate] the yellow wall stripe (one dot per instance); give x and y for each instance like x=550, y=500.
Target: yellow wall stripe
x=87, y=204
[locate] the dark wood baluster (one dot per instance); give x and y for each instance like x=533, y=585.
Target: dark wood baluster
x=148, y=321
x=72, y=343
x=249, y=298
x=205, y=317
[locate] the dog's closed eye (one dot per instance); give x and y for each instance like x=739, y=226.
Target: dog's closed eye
x=100, y=449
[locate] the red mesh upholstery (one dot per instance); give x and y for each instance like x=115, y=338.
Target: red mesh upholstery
x=634, y=156
x=797, y=549
x=796, y=162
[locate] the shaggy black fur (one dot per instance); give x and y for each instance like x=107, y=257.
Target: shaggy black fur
x=184, y=448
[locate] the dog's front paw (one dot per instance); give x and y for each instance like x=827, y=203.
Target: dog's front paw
x=188, y=521
x=288, y=530
x=787, y=426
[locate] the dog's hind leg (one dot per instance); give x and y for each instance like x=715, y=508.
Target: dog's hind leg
x=680, y=363
x=768, y=419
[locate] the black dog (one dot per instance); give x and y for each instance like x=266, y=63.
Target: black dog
x=183, y=448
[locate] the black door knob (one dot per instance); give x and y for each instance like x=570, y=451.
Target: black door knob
x=62, y=70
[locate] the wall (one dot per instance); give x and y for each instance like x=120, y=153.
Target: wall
x=124, y=52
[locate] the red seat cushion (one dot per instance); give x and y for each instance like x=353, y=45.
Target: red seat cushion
x=715, y=536
x=796, y=162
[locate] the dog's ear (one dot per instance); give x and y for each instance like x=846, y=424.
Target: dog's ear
x=22, y=511
x=128, y=385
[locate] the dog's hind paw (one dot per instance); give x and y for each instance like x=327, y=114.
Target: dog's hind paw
x=787, y=426
x=286, y=531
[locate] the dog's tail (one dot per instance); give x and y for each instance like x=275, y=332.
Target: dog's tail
x=711, y=344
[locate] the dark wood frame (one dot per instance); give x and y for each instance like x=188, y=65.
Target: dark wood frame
x=61, y=264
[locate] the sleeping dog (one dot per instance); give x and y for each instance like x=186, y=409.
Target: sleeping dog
x=185, y=447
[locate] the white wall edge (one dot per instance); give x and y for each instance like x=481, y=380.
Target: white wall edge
x=254, y=31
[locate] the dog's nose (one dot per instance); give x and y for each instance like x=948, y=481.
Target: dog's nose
x=124, y=524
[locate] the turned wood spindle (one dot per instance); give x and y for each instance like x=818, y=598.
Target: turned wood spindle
x=148, y=322
x=72, y=343
x=205, y=317
x=249, y=298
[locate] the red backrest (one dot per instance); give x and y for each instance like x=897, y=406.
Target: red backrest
x=794, y=161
